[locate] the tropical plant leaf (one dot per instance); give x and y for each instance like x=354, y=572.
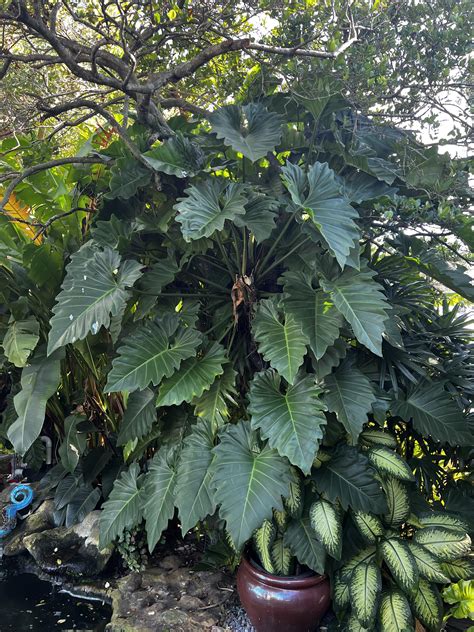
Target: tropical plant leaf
x=364, y=588
x=39, y=381
x=127, y=176
x=350, y=395
x=398, y=501
x=313, y=310
x=458, y=569
x=153, y=351
x=291, y=421
x=348, y=478
x=66, y=490
x=260, y=216
x=443, y=520
x=369, y=525
x=176, y=156
x=281, y=557
x=83, y=502
x=389, y=462
x=362, y=303
x=359, y=187
x=363, y=556
x=427, y=605
x=73, y=444
x=207, y=206
x=351, y=624
x=428, y=565
x=113, y=233
x=444, y=544
x=249, y=483
x=194, y=493
x=195, y=376
x=124, y=507
x=378, y=438
x=399, y=559
x=20, y=340
x=249, y=129
x=395, y=612
x=327, y=525
x=213, y=404
x=139, y=416
x=280, y=340
x=434, y=413
x=340, y=593
x=153, y=280
x=303, y=543
x=330, y=359
x=159, y=492
x=93, y=291
x=263, y=540
x=328, y=208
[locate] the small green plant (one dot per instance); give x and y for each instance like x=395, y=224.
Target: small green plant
x=460, y=596
x=132, y=548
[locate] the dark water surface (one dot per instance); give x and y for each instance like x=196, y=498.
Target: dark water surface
x=29, y=603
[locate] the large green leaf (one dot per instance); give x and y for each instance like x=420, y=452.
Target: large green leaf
x=83, y=502
x=445, y=544
x=350, y=395
x=313, y=309
x=362, y=303
x=364, y=588
x=347, y=477
x=20, y=340
x=139, y=416
x=126, y=177
x=280, y=339
x=159, y=492
x=389, y=462
x=434, y=413
x=93, y=291
x=160, y=274
x=177, y=156
x=213, y=404
x=326, y=523
x=427, y=605
x=428, y=565
x=399, y=559
x=207, y=206
x=39, y=381
x=249, y=129
x=292, y=420
x=323, y=200
x=395, y=612
x=124, y=507
x=359, y=187
x=397, y=500
x=301, y=539
x=152, y=352
x=73, y=444
x=248, y=482
x=260, y=216
x=194, y=495
x=195, y=376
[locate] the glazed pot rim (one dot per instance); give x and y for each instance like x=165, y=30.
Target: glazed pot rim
x=305, y=580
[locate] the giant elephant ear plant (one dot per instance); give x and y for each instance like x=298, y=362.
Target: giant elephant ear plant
x=259, y=342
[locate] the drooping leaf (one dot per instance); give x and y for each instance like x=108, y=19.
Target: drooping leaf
x=124, y=507
x=328, y=208
x=398, y=501
x=291, y=421
x=249, y=129
x=263, y=540
x=213, y=404
x=281, y=557
x=83, y=502
x=314, y=310
x=399, y=559
x=66, y=490
x=369, y=525
x=194, y=494
x=93, y=291
x=443, y=520
x=39, y=381
x=434, y=413
x=280, y=340
x=126, y=177
x=73, y=444
x=159, y=492
x=177, y=156
x=327, y=525
x=362, y=303
x=428, y=565
x=359, y=187
x=389, y=462
x=350, y=395
x=260, y=216
x=152, y=352
x=301, y=539
x=139, y=416
x=364, y=588
x=249, y=483
x=20, y=340
x=195, y=376
x=207, y=206
x=427, y=605
x=444, y=544
x=340, y=593
x=348, y=478
x=395, y=612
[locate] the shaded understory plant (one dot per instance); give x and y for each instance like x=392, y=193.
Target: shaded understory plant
x=253, y=336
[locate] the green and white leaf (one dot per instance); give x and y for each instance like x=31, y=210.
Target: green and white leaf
x=291, y=421
x=248, y=483
x=378, y=438
x=294, y=501
x=20, y=340
x=177, y=156
x=139, y=416
x=340, y=593
x=427, y=605
x=263, y=541
x=446, y=545
x=443, y=520
x=213, y=404
x=364, y=556
x=159, y=492
x=390, y=463
x=399, y=559
x=398, y=501
x=428, y=565
x=301, y=539
x=327, y=525
x=364, y=588
x=369, y=525
x=73, y=444
x=280, y=339
x=395, y=612
x=281, y=557
x=458, y=569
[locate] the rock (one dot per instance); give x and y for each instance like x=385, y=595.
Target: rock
x=169, y=563
x=70, y=550
x=36, y=522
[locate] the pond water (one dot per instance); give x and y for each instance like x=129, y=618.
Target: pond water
x=29, y=603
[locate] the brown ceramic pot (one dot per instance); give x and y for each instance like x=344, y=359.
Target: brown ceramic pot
x=282, y=604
